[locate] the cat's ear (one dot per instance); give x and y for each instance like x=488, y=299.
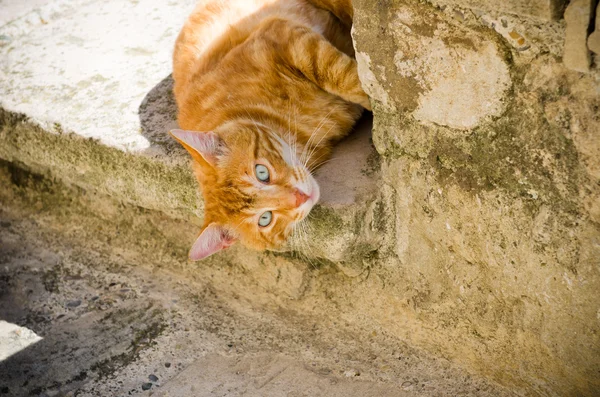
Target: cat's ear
x=206, y=146
x=213, y=238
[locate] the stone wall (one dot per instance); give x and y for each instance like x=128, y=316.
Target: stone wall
x=480, y=238
x=490, y=153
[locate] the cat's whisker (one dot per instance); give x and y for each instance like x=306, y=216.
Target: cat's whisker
x=234, y=231
x=324, y=120
x=314, y=133
x=253, y=121
x=289, y=137
x=305, y=233
x=318, y=143
x=300, y=242
x=292, y=140
x=312, y=136
x=296, y=137
x=313, y=168
x=314, y=148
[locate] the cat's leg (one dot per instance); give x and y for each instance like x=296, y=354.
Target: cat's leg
x=317, y=59
x=342, y=9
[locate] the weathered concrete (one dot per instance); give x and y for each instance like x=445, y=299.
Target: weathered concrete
x=479, y=241
x=494, y=227
x=445, y=74
x=120, y=312
x=29, y=12
x=14, y=338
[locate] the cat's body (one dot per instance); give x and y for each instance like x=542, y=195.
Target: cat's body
x=264, y=88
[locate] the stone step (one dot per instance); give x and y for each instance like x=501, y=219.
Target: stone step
x=85, y=96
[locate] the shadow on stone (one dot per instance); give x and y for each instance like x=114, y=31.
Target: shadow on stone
x=158, y=115
x=99, y=336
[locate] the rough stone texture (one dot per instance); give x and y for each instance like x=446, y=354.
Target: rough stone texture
x=578, y=16
x=92, y=104
x=471, y=233
x=449, y=75
x=543, y=9
x=149, y=324
x=594, y=39
x=492, y=231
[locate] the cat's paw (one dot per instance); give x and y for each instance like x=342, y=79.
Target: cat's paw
x=365, y=102
x=367, y=105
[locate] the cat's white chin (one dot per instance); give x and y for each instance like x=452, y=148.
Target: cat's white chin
x=315, y=193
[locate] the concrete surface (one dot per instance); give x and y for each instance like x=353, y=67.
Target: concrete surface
x=121, y=315
x=24, y=14
x=14, y=338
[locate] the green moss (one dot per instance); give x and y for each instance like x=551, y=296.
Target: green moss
x=373, y=164
x=99, y=217
x=136, y=179
x=325, y=221
x=508, y=155
x=380, y=216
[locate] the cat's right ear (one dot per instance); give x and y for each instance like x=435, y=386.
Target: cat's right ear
x=213, y=239
x=203, y=146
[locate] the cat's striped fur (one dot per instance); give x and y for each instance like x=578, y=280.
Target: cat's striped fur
x=262, y=82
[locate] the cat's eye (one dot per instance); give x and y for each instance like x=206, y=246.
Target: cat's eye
x=262, y=173
x=265, y=219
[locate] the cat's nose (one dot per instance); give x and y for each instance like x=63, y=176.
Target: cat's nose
x=301, y=197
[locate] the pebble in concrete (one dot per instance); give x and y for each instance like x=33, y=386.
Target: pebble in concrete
x=74, y=303
x=146, y=386
x=578, y=16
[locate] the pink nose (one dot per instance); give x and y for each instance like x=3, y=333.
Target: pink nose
x=301, y=197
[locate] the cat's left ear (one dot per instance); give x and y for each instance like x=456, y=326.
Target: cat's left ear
x=213, y=239
x=203, y=146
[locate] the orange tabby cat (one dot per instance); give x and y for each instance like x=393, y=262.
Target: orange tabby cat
x=264, y=88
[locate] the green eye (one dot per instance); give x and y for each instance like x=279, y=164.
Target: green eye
x=262, y=173
x=265, y=219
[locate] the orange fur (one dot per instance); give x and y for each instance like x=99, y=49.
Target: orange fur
x=275, y=82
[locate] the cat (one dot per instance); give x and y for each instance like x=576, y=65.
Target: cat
x=264, y=88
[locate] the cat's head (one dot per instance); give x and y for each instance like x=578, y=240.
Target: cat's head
x=255, y=187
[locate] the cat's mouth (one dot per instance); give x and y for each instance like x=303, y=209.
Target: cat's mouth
x=314, y=194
